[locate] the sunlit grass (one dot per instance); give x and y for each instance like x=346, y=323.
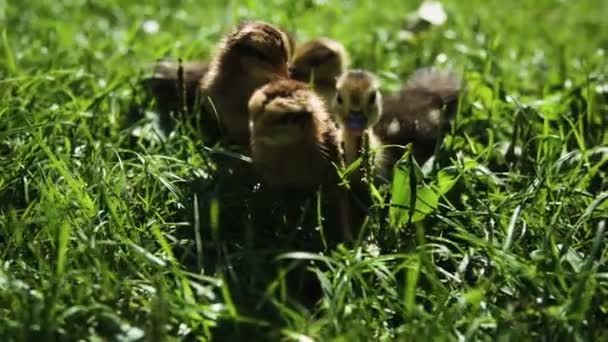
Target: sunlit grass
x=109, y=231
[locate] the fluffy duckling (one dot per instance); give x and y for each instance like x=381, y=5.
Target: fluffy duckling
x=357, y=106
x=294, y=143
x=320, y=61
x=163, y=85
x=254, y=54
x=417, y=114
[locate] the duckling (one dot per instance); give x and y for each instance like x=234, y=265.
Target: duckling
x=163, y=84
x=417, y=114
x=320, y=61
x=294, y=143
x=357, y=106
x=254, y=54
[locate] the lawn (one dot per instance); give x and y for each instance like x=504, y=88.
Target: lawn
x=110, y=231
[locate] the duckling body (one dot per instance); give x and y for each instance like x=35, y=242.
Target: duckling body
x=294, y=143
x=417, y=114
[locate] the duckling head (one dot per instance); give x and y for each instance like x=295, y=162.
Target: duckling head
x=358, y=102
x=285, y=112
x=321, y=61
x=259, y=50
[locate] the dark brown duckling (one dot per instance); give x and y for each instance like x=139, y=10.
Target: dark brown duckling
x=163, y=85
x=417, y=114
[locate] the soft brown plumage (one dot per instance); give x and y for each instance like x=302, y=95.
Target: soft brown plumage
x=321, y=61
x=254, y=54
x=163, y=84
x=417, y=114
x=294, y=143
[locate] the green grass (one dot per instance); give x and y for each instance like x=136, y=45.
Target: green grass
x=109, y=233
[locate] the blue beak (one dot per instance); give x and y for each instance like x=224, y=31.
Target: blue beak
x=356, y=121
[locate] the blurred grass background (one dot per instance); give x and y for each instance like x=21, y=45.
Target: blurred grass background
x=93, y=217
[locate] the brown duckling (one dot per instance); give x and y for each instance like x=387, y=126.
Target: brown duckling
x=163, y=84
x=417, y=114
x=294, y=143
x=320, y=61
x=254, y=54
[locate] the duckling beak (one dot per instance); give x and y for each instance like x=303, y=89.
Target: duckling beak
x=356, y=122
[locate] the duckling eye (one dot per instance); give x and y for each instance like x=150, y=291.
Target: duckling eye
x=339, y=99
x=372, y=98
